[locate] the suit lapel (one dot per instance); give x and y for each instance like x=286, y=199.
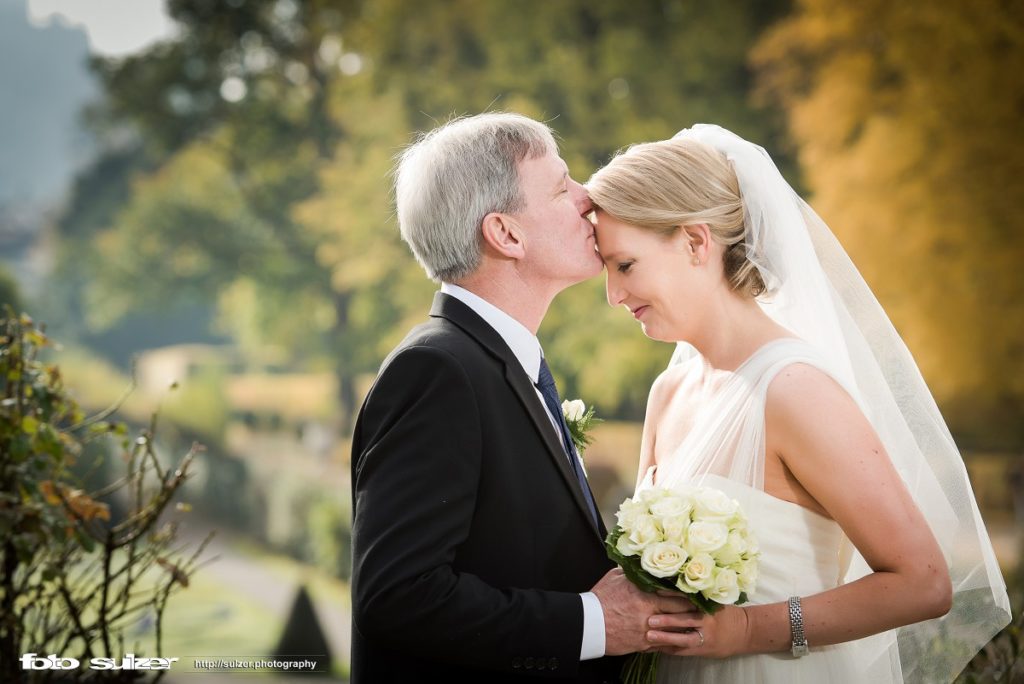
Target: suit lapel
x=463, y=316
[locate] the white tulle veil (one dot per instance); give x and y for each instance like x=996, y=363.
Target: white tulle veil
x=814, y=290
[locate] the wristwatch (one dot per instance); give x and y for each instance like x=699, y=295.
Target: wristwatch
x=799, y=646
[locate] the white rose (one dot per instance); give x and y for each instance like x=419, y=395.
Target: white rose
x=726, y=589
x=671, y=506
x=675, y=528
x=573, y=410
x=739, y=525
x=663, y=559
x=748, y=576
x=706, y=537
x=752, y=548
x=651, y=495
x=684, y=586
x=699, y=573
x=629, y=512
x=712, y=504
x=645, y=531
x=627, y=548
x=733, y=549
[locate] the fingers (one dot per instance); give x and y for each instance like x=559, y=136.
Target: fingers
x=675, y=621
x=674, y=604
x=675, y=642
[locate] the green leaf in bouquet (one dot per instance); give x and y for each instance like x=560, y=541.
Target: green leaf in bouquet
x=704, y=604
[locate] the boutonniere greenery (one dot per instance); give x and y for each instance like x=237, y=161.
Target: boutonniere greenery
x=580, y=420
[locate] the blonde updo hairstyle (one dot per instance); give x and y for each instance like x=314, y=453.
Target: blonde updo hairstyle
x=663, y=186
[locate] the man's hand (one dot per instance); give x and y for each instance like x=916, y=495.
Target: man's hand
x=626, y=612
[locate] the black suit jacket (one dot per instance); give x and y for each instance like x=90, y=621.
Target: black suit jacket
x=471, y=538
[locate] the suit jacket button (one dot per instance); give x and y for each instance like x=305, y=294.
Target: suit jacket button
x=553, y=663
x=528, y=663
x=517, y=663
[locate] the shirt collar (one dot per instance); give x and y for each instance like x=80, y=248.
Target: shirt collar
x=523, y=343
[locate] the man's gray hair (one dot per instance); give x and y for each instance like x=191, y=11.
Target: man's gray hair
x=452, y=177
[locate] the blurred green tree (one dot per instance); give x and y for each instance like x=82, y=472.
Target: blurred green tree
x=229, y=127
x=9, y=294
x=907, y=120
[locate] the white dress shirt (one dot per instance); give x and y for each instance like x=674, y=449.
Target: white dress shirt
x=526, y=347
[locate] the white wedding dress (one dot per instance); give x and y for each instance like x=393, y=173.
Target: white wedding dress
x=814, y=291
x=802, y=552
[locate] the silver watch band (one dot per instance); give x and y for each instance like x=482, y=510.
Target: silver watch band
x=799, y=646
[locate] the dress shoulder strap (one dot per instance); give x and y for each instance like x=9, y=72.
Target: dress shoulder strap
x=760, y=369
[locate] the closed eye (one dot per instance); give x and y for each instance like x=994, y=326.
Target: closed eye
x=624, y=266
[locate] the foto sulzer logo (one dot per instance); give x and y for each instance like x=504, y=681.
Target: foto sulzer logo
x=34, y=661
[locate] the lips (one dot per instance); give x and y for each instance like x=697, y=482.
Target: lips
x=639, y=311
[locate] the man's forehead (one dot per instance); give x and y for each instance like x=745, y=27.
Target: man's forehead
x=549, y=164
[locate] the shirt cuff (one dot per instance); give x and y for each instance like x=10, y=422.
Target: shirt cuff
x=593, y=627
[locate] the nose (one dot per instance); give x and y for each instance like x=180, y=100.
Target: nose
x=582, y=198
x=615, y=292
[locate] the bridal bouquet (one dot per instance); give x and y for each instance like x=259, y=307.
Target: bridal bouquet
x=695, y=541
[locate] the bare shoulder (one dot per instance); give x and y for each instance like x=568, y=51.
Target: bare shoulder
x=806, y=408
x=804, y=389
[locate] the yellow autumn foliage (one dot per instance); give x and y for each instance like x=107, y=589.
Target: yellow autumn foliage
x=906, y=118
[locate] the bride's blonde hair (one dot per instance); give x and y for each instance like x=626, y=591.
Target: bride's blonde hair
x=662, y=186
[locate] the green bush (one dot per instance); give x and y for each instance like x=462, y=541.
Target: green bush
x=73, y=575
x=328, y=538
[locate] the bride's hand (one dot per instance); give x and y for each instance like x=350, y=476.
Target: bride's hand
x=720, y=635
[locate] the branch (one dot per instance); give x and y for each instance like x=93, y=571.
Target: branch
x=110, y=410
x=76, y=618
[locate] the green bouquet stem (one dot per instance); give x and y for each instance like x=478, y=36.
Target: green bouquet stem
x=641, y=668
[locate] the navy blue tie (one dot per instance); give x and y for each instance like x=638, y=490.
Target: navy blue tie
x=548, y=390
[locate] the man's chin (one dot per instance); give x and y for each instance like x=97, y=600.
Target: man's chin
x=595, y=272
x=582, y=273
x=596, y=268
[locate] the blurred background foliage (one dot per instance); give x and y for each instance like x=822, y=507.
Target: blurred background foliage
x=907, y=122
x=244, y=170
x=253, y=158
x=234, y=230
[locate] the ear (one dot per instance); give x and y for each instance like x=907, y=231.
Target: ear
x=502, y=235
x=698, y=242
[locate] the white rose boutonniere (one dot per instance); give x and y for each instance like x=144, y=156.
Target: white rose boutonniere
x=580, y=420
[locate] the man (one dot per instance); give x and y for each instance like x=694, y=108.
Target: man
x=478, y=551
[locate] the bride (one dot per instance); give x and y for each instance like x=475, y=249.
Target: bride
x=791, y=391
